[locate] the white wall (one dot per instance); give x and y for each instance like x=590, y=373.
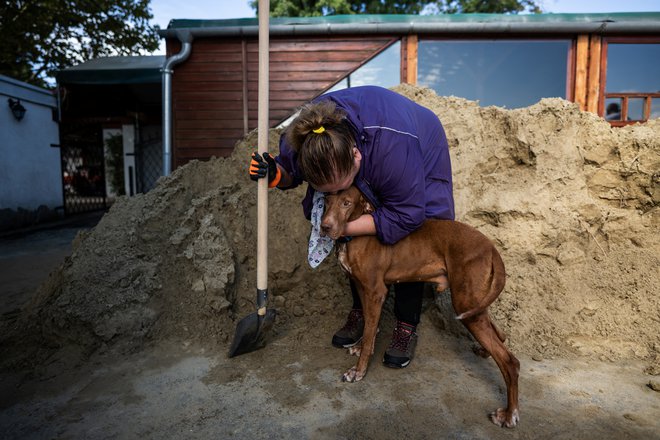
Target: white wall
x=30, y=171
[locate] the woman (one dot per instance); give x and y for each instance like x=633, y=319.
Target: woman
x=395, y=151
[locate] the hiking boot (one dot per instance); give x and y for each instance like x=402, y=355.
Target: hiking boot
x=351, y=333
x=401, y=349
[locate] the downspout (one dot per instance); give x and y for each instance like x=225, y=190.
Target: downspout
x=186, y=39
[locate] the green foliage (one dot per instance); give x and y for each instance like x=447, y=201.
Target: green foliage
x=114, y=161
x=39, y=37
x=490, y=6
x=315, y=8
x=303, y=8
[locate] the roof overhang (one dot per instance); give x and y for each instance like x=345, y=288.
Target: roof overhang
x=114, y=70
x=608, y=23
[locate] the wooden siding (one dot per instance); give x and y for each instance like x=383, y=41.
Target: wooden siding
x=581, y=70
x=215, y=90
x=593, y=81
x=409, y=59
x=588, y=73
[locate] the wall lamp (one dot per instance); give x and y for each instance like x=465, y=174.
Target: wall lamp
x=17, y=108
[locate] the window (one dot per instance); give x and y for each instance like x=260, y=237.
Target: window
x=382, y=70
x=505, y=73
x=632, y=81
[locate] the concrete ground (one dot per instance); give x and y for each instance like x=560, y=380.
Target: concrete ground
x=28, y=255
x=291, y=389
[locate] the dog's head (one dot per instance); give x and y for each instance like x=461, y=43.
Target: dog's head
x=341, y=208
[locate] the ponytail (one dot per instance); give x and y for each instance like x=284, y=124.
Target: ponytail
x=324, y=142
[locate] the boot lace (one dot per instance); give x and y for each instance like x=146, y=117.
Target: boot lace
x=401, y=337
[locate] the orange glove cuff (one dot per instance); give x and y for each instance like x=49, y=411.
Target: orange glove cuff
x=278, y=176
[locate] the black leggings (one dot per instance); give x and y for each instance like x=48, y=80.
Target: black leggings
x=407, y=301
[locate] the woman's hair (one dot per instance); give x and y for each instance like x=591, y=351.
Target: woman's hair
x=324, y=142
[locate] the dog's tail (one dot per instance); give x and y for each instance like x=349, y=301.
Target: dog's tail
x=497, y=280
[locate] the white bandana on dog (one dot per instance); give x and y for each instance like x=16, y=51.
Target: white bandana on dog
x=319, y=247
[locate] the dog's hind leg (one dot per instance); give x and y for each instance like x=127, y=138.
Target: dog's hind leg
x=487, y=335
x=372, y=303
x=500, y=333
x=481, y=351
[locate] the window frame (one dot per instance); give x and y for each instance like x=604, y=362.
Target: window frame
x=603, y=96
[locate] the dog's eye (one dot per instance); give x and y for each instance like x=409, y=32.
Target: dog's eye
x=347, y=203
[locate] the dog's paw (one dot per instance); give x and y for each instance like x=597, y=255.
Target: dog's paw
x=355, y=350
x=352, y=375
x=501, y=418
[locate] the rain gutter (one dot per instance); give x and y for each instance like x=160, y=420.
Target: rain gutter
x=596, y=27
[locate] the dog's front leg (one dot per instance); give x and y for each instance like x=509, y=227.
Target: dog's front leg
x=372, y=304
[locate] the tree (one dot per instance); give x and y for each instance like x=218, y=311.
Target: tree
x=312, y=8
x=488, y=6
x=40, y=37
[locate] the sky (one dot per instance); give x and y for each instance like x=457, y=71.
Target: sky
x=165, y=10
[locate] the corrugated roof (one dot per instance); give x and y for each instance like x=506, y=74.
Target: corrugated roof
x=115, y=70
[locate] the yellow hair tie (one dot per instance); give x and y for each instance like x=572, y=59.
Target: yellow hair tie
x=319, y=130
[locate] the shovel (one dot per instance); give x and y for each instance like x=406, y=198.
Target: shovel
x=253, y=330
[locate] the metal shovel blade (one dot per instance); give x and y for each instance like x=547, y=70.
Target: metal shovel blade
x=252, y=332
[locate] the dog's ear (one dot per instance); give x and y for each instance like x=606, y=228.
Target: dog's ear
x=365, y=206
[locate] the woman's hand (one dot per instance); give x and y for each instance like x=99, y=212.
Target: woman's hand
x=363, y=225
x=266, y=166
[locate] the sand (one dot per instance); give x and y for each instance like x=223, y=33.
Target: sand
x=570, y=202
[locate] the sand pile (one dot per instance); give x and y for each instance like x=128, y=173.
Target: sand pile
x=571, y=203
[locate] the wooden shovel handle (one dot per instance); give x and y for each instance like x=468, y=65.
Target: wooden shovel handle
x=262, y=146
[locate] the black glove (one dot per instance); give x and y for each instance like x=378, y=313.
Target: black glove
x=259, y=168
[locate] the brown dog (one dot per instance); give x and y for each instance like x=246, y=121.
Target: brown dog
x=445, y=252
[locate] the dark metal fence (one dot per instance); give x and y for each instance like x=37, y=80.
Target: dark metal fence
x=148, y=162
x=84, y=172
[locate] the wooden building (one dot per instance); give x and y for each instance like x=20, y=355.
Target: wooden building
x=214, y=90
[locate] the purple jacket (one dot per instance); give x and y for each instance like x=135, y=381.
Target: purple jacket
x=405, y=170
